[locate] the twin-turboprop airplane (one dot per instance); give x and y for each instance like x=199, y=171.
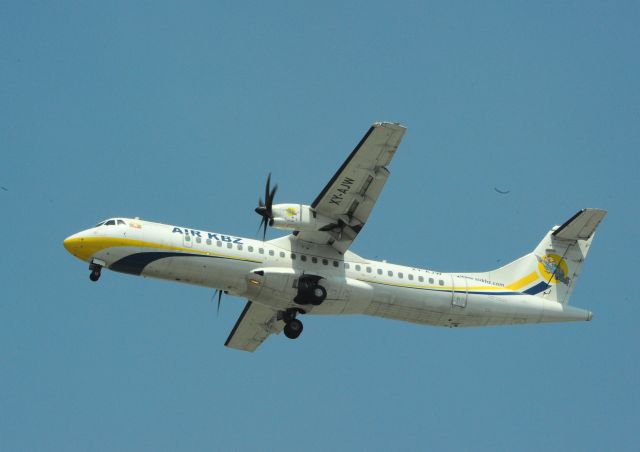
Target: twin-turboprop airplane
x=311, y=271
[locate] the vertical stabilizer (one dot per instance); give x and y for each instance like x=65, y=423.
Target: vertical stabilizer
x=553, y=268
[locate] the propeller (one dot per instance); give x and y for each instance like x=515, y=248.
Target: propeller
x=219, y=293
x=264, y=209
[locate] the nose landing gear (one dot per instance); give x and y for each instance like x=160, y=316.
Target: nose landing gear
x=96, y=269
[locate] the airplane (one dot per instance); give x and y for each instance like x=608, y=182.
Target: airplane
x=311, y=271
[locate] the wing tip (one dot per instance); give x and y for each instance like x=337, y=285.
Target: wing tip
x=389, y=124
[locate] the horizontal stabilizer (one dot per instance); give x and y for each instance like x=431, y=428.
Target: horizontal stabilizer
x=581, y=226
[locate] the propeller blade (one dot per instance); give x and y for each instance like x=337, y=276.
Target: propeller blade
x=262, y=221
x=219, y=293
x=265, y=209
x=271, y=196
x=264, y=231
x=266, y=192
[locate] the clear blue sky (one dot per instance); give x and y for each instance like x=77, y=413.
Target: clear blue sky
x=176, y=112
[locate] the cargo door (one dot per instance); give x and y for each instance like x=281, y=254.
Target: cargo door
x=460, y=291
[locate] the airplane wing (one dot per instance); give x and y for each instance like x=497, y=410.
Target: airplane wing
x=350, y=195
x=254, y=325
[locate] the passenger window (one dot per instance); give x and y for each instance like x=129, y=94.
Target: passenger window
x=303, y=258
x=368, y=269
x=198, y=240
x=400, y=275
x=441, y=282
x=314, y=260
x=110, y=223
x=229, y=245
x=335, y=263
x=430, y=280
x=421, y=278
x=271, y=253
x=293, y=256
x=281, y=253
x=358, y=268
x=410, y=277
x=325, y=262
x=121, y=222
x=208, y=241
x=346, y=265
x=379, y=271
x=390, y=273
x=261, y=250
x=187, y=238
x=250, y=248
x=239, y=247
x=219, y=243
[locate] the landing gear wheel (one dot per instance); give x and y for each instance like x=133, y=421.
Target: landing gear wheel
x=319, y=293
x=94, y=275
x=293, y=329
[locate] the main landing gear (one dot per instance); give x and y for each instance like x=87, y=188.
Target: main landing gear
x=310, y=291
x=96, y=270
x=293, y=327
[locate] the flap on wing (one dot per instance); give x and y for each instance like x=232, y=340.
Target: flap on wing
x=581, y=226
x=254, y=325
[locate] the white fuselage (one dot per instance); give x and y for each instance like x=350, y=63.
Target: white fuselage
x=267, y=273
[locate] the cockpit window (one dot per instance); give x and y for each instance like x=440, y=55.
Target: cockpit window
x=100, y=224
x=121, y=222
x=110, y=223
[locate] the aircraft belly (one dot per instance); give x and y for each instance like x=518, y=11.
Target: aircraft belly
x=436, y=308
x=200, y=270
x=277, y=287
x=410, y=305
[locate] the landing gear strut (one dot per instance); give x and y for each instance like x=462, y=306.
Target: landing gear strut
x=95, y=271
x=293, y=327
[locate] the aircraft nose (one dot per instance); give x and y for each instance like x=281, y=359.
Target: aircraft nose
x=71, y=243
x=75, y=245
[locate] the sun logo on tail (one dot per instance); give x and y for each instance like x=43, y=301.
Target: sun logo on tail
x=553, y=268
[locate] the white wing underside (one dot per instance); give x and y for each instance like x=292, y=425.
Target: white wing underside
x=255, y=324
x=350, y=195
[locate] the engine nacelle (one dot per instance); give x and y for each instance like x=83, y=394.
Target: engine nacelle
x=297, y=217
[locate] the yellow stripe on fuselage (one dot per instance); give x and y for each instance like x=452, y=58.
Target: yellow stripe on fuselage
x=519, y=284
x=441, y=288
x=86, y=247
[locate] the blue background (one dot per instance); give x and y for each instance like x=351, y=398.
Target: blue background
x=176, y=112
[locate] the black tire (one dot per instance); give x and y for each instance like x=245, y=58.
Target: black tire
x=318, y=294
x=293, y=329
x=94, y=275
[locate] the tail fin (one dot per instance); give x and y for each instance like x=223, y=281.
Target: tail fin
x=552, y=269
